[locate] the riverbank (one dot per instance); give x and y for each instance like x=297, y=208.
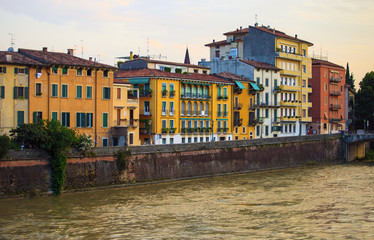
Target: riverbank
x=28, y=172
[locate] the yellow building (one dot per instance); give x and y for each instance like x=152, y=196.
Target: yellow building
x=125, y=125
x=180, y=108
x=72, y=90
x=243, y=106
x=14, y=89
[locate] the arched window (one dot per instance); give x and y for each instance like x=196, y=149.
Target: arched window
x=195, y=108
x=183, y=89
x=206, y=109
x=201, y=109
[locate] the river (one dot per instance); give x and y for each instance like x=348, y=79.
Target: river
x=314, y=202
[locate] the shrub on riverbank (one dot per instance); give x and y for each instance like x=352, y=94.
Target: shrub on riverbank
x=4, y=145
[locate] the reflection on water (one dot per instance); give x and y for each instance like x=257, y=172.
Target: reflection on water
x=319, y=202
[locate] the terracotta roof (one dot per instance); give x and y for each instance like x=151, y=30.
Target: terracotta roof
x=237, y=32
x=281, y=34
x=64, y=59
x=327, y=63
x=18, y=59
x=232, y=76
x=261, y=65
x=219, y=43
x=153, y=73
x=171, y=63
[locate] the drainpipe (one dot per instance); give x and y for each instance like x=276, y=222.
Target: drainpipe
x=95, y=107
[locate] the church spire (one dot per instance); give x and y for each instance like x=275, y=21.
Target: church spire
x=187, y=57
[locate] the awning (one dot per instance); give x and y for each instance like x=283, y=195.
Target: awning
x=255, y=87
x=139, y=80
x=240, y=85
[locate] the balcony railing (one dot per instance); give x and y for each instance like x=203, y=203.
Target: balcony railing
x=133, y=122
x=194, y=113
x=253, y=121
x=196, y=130
x=222, y=130
x=238, y=106
x=335, y=93
x=164, y=93
x=335, y=107
x=335, y=80
x=238, y=122
x=200, y=96
x=335, y=119
x=145, y=93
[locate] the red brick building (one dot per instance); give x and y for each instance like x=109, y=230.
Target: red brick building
x=328, y=104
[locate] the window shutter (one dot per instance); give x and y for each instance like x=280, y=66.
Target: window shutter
x=83, y=117
x=4, y=69
x=27, y=71
x=15, y=92
x=15, y=70
x=26, y=92
x=2, y=92
x=68, y=119
x=34, y=117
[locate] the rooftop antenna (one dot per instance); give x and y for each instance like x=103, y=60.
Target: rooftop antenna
x=256, y=23
x=148, y=47
x=12, y=39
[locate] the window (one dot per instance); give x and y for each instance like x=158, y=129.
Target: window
x=304, y=98
x=219, y=91
x=304, y=83
x=79, y=72
x=105, y=120
x=21, y=71
x=21, y=92
x=266, y=130
x=304, y=113
x=37, y=116
x=304, y=69
x=206, y=109
x=163, y=109
x=258, y=130
x=224, y=92
x=2, y=92
x=79, y=92
x=89, y=72
x=54, y=90
x=171, y=123
x=244, y=129
x=131, y=138
x=89, y=120
x=105, y=73
x=54, y=116
x=189, y=109
x=183, y=108
x=164, y=87
x=171, y=108
x=38, y=89
x=55, y=70
x=146, y=108
x=79, y=121
x=219, y=110
x=64, y=70
x=183, y=140
x=266, y=82
x=163, y=123
x=106, y=93
x=205, y=72
x=225, y=110
x=266, y=113
x=65, y=119
x=89, y=92
x=20, y=117
x=2, y=69
x=304, y=52
x=64, y=91
x=118, y=93
x=105, y=142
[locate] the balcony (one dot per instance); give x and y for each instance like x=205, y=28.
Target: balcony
x=172, y=94
x=335, y=93
x=335, y=120
x=145, y=93
x=292, y=56
x=133, y=123
x=238, y=122
x=203, y=97
x=222, y=98
x=277, y=89
x=238, y=90
x=238, y=106
x=335, y=80
x=164, y=93
x=335, y=107
x=222, y=130
x=253, y=122
x=168, y=130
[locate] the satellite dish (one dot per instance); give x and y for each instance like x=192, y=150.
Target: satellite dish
x=10, y=49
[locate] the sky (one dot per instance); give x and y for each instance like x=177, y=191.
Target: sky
x=342, y=30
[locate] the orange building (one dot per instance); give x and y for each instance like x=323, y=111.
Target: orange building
x=75, y=91
x=328, y=103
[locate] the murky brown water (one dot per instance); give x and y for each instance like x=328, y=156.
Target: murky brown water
x=318, y=202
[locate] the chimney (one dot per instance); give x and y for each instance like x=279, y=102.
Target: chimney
x=90, y=58
x=241, y=28
x=8, y=57
x=131, y=56
x=71, y=52
x=45, y=49
x=295, y=35
x=214, y=40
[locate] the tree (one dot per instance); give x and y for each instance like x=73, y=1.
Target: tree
x=349, y=79
x=365, y=101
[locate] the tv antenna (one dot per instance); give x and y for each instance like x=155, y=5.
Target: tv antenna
x=12, y=39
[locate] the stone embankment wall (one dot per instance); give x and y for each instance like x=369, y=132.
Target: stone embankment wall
x=28, y=171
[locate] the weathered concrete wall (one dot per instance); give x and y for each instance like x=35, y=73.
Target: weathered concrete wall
x=29, y=171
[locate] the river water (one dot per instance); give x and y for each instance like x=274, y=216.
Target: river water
x=314, y=202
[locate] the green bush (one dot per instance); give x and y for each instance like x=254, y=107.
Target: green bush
x=4, y=145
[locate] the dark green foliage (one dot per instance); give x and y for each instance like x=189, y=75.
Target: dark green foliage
x=349, y=79
x=365, y=101
x=4, y=145
x=58, y=166
x=52, y=137
x=122, y=159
